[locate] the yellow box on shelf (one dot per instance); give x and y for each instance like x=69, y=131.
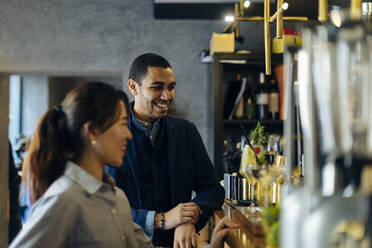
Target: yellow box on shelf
x=289, y=39
x=222, y=43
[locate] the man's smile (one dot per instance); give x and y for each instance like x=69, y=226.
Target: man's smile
x=163, y=106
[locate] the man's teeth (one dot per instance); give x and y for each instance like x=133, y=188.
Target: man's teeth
x=162, y=105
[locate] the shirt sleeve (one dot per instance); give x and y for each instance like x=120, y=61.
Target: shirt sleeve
x=142, y=238
x=50, y=221
x=145, y=218
x=149, y=226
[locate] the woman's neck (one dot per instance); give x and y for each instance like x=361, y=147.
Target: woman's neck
x=89, y=163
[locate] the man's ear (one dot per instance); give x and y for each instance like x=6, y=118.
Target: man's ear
x=133, y=87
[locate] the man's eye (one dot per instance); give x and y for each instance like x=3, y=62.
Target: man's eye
x=156, y=88
x=171, y=87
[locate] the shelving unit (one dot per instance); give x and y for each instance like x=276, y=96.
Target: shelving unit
x=222, y=70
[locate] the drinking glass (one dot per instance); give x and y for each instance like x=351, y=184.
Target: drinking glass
x=247, y=162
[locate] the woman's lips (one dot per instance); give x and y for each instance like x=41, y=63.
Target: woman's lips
x=124, y=150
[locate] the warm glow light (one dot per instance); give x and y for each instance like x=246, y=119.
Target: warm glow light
x=285, y=6
x=335, y=18
x=229, y=18
x=247, y=4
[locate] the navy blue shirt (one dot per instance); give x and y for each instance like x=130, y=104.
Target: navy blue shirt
x=152, y=155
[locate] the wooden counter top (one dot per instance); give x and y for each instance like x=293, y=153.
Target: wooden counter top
x=250, y=234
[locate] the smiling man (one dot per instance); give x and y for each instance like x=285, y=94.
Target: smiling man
x=166, y=160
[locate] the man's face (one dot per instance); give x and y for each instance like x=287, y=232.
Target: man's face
x=154, y=94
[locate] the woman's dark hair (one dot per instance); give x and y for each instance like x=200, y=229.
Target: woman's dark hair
x=58, y=136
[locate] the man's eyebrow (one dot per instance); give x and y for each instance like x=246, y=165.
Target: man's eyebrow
x=158, y=83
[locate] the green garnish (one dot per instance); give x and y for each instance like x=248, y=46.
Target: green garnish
x=258, y=136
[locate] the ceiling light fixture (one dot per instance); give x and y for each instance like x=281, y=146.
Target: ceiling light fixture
x=229, y=18
x=247, y=4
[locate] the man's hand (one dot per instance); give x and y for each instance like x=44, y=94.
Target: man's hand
x=183, y=213
x=184, y=236
x=220, y=232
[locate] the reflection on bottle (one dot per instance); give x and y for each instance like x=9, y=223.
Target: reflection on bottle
x=262, y=99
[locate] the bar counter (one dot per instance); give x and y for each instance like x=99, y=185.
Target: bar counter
x=251, y=232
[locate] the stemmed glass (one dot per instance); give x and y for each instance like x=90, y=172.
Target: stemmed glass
x=248, y=169
x=259, y=172
x=271, y=149
x=276, y=178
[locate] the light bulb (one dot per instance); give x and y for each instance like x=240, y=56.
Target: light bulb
x=229, y=18
x=285, y=6
x=247, y=4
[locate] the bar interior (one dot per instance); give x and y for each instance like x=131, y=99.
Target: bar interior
x=280, y=91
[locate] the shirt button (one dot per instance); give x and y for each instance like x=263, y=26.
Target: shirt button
x=113, y=210
x=150, y=137
x=123, y=237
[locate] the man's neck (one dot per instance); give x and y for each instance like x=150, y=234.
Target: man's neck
x=142, y=117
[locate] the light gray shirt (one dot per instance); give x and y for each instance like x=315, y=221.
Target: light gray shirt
x=78, y=210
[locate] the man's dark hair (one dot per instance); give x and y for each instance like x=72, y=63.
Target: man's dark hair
x=138, y=69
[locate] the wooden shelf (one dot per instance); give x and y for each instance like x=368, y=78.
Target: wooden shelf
x=224, y=67
x=232, y=127
x=263, y=122
x=246, y=58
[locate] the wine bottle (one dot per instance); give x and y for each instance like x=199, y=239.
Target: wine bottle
x=249, y=99
x=273, y=100
x=262, y=99
x=249, y=108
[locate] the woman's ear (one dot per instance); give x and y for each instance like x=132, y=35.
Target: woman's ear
x=133, y=87
x=90, y=133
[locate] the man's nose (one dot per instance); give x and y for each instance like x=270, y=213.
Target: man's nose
x=166, y=94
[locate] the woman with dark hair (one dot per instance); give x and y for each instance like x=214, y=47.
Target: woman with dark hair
x=74, y=203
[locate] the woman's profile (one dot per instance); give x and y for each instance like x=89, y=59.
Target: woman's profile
x=74, y=203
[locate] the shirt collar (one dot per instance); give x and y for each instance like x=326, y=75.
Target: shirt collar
x=144, y=126
x=89, y=183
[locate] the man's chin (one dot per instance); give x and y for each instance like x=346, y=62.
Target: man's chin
x=160, y=115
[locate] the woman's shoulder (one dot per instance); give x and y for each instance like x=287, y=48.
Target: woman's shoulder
x=62, y=187
x=59, y=198
x=61, y=194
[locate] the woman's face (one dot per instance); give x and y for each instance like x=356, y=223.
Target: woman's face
x=111, y=144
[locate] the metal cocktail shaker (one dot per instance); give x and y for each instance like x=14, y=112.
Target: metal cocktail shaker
x=232, y=186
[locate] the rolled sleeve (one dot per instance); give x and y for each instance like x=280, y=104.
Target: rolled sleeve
x=149, y=224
